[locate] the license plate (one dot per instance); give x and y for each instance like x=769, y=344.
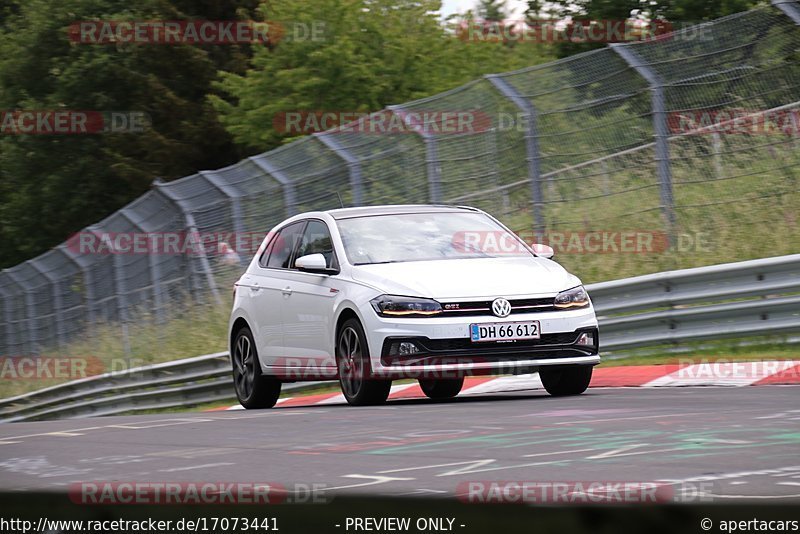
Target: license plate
x=504, y=331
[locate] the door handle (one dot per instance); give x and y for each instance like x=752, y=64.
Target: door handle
x=287, y=290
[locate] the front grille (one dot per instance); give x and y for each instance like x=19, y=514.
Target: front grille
x=561, y=338
x=484, y=307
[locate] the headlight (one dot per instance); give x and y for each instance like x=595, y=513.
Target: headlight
x=394, y=306
x=577, y=297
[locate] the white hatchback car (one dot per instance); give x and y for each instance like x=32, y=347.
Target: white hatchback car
x=367, y=295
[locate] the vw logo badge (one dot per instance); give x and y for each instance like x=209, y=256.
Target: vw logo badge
x=501, y=307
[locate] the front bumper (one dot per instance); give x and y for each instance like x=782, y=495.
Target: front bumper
x=435, y=351
x=444, y=344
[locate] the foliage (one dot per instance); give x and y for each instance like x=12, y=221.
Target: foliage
x=54, y=185
x=370, y=54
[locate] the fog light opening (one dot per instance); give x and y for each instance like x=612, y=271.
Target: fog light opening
x=403, y=348
x=407, y=349
x=586, y=339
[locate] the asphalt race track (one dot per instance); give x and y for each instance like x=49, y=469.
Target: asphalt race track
x=715, y=443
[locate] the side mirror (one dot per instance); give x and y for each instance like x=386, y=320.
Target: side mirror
x=313, y=263
x=543, y=251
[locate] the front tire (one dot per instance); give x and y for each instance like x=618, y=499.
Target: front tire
x=441, y=388
x=359, y=387
x=252, y=389
x=564, y=381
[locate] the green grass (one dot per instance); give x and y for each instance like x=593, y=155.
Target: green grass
x=194, y=332
x=742, y=204
x=720, y=352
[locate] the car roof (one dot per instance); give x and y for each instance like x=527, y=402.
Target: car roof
x=366, y=211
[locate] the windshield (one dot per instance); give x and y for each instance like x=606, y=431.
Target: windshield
x=426, y=236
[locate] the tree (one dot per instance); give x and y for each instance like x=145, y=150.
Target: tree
x=53, y=185
x=677, y=12
x=494, y=10
x=370, y=54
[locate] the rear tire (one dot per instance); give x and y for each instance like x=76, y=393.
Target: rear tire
x=563, y=381
x=359, y=386
x=252, y=388
x=445, y=388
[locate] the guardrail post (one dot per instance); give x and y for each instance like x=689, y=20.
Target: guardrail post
x=191, y=227
x=353, y=166
x=289, y=197
x=661, y=131
x=790, y=7
x=58, y=310
x=533, y=156
x=434, y=170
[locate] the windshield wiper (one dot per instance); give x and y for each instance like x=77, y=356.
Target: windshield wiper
x=377, y=262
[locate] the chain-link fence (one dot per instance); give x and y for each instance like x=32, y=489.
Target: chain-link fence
x=635, y=158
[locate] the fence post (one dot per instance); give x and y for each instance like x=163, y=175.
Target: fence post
x=191, y=227
x=230, y=192
x=29, y=313
x=153, y=266
x=533, y=156
x=120, y=291
x=790, y=8
x=353, y=166
x=87, y=280
x=122, y=303
x=6, y=348
x=236, y=208
x=660, y=128
x=289, y=198
x=58, y=308
x=434, y=170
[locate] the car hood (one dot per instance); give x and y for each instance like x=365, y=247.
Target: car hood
x=468, y=278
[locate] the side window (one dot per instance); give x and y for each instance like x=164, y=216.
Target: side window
x=317, y=240
x=262, y=260
x=282, y=246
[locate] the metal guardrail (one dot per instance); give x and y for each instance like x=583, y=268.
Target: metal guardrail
x=755, y=297
x=187, y=382
x=741, y=299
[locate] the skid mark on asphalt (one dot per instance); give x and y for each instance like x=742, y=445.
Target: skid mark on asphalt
x=39, y=466
x=192, y=467
x=141, y=425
